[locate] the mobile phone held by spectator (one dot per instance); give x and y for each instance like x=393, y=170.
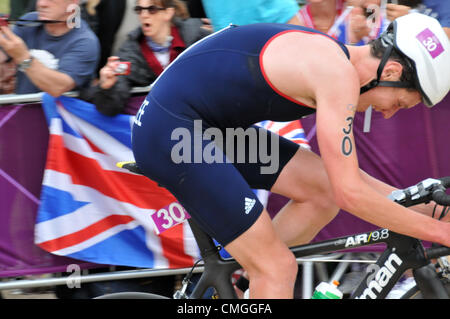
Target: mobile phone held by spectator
x=122, y=68
x=3, y=22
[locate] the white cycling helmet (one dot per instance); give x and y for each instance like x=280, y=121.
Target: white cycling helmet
x=424, y=42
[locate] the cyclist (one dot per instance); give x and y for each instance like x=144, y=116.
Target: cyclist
x=242, y=75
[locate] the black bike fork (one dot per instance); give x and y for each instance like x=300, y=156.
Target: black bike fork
x=217, y=272
x=429, y=283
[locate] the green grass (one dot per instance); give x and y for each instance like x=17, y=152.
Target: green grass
x=4, y=6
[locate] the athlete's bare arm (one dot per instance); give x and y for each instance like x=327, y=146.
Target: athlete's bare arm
x=351, y=191
x=321, y=74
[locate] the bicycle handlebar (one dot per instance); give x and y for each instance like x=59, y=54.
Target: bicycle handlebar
x=436, y=252
x=424, y=192
x=439, y=195
x=445, y=181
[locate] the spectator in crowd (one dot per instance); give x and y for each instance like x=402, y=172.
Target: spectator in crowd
x=7, y=72
x=7, y=77
x=52, y=57
x=321, y=14
x=358, y=26
x=195, y=8
x=440, y=9
x=366, y=22
x=401, y=7
x=20, y=7
x=165, y=31
x=105, y=19
x=129, y=23
x=239, y=12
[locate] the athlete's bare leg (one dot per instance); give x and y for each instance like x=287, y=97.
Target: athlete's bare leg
x=270, y=265
x=262, y=250
x=305, y=181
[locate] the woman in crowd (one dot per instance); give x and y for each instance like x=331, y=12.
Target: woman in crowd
x=321, y=14
x=165, y=31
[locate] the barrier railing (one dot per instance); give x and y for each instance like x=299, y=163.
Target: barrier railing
x=37, y=97
x=147, y=273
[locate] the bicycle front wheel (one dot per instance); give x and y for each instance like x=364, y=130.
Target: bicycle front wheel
x=415, y=293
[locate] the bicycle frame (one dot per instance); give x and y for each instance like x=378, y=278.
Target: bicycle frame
x=402, y=253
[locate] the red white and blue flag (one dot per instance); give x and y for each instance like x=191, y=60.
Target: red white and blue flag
x=291, y=130
x=92, y=210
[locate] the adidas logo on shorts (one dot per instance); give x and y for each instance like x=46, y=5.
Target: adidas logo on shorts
x=249, y=203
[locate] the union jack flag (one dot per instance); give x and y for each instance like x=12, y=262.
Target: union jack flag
x=94, y=211
x=291, y=130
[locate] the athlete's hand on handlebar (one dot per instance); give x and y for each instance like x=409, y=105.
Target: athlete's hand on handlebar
x=439, y=195
x=423, y=192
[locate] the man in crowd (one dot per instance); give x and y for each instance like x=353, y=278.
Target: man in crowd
x=58, y=54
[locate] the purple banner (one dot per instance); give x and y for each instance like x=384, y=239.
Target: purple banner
x=24, y=141
x=401, y=151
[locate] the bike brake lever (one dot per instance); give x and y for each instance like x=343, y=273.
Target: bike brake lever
x=181, y=293
x=417, y=194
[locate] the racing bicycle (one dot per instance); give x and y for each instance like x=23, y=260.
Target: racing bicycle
x=430, y=266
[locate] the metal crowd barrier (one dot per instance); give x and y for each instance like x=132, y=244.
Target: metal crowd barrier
x=37, y=97
x=69, y=280
x=72, y=280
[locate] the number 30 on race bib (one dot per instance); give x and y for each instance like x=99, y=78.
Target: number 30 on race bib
x=169, y=216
